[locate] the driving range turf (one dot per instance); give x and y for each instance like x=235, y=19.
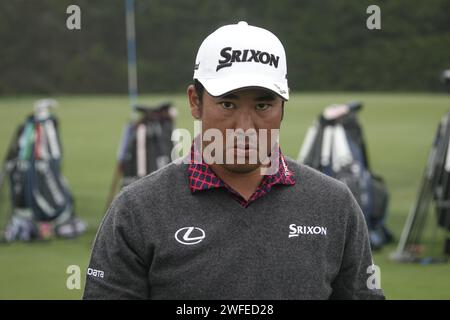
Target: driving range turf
x=399, y=130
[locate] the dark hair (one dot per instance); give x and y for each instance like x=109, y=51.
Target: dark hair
x=200, y=89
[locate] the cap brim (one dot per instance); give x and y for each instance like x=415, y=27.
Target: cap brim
x=219, y=87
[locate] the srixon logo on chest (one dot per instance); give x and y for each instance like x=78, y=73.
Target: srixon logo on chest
x=231, y=56
x=295, y=230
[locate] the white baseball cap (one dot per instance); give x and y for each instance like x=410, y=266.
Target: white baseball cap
x=238, y=56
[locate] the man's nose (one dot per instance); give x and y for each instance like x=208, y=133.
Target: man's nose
x=245, y=120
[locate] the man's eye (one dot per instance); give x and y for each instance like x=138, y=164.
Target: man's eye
x=262, y=106
x=227, y=105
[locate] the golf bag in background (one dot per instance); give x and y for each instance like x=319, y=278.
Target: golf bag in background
x=42, y=205
x=335, y=146
x=435, y=187
x=445, y=79
x=145, y=147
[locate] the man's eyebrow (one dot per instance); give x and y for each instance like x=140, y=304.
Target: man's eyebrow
x=267, y=97
x=230, y=96
x=264, y=97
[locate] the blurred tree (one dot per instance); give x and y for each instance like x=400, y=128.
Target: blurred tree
x=327, y=43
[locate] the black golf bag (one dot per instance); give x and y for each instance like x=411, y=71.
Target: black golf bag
x=41, y=202
x=435, y=187
x=335, y=146
x=146, y=145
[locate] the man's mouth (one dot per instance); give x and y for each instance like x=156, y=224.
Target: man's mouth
x=243, y=147
x=247, y=146
x=244, y=151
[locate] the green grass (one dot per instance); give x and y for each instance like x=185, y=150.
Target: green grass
x=399, y=129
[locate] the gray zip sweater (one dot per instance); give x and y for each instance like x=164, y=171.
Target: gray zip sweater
x=159, y=241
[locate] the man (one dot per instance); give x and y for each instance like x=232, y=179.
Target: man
x=218, y=227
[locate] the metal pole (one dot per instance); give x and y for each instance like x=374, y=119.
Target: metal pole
x=131, y=51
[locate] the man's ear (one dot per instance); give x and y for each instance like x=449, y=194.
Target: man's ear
x=194, y=102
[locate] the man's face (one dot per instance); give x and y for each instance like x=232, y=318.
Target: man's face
x=249, y=110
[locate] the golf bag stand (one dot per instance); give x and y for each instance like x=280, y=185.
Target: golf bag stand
x=42, y=205
x=434, y=187
x=335, y=146
x=145, y=146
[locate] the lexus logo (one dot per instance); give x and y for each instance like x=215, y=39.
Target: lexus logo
x=189, y=235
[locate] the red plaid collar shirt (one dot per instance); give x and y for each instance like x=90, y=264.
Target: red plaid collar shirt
x=202, y=177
